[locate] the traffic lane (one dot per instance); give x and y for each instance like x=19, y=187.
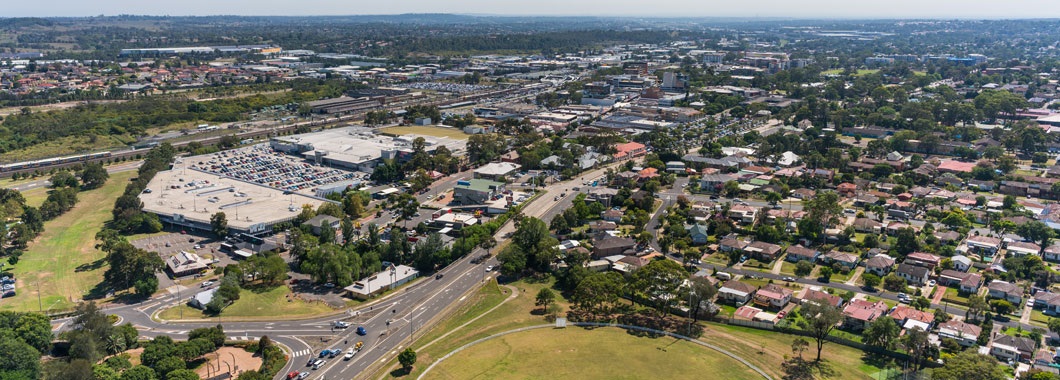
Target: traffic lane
x=405, y=321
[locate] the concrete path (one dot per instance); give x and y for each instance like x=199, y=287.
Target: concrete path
x=1025, y=317
x=776, y=266
x=854, y=277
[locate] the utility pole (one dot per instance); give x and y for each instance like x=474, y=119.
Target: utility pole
x=40, y=304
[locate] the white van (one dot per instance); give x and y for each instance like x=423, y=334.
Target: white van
x=723, y=276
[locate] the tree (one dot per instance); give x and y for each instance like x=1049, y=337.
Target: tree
x=1001, y=306
x=907, y=242
x=407, y=358
x=821, y=319
x=146, y=287
x=20, y=360
x=93, y=176
x=660, y=282
x=883, y=332
x=798, y=346
x=702, y=294
x=219, y=224
x=139, y=372
x=826, y=273
x=183, y=374
x=1037, y=232
x=921, y=303
x=920, y=348
x=1054, y=325
x=803, y=268
x=894, y=283
x=545, y=297
x=976, y=306
x=870, y=281
x=63, y=178
x=969, y=365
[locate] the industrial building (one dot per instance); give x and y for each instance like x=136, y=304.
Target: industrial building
x=476, y=191
x=188, y=198
x=358, y=148
x=345, y=104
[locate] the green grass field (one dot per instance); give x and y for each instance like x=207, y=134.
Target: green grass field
x=63, y=259
x=764, y=349
x=268, y=304
x=36, y=196
x=426, y=130
x=579, y=353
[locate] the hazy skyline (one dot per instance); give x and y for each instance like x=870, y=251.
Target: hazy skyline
x=658, y=8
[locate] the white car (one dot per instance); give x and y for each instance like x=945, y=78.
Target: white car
x=349, y=354
x=206, y=284
x=489, y=268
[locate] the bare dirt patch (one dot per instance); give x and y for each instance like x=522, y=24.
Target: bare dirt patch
x=228, y=360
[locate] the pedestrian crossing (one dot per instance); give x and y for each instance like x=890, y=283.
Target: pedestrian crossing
x=302, y=353
x=247, y=338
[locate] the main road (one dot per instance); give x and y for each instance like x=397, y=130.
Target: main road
x=392, y=321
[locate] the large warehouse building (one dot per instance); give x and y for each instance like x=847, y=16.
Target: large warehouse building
x=357, y=148
x=188, y=197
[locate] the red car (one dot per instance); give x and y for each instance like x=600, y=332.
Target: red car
x=292, y=375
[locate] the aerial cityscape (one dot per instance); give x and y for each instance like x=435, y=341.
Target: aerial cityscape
x=516, y=191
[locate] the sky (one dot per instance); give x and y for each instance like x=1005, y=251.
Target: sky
x=662, y=8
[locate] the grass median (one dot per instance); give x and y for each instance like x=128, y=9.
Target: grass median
x=253, y=304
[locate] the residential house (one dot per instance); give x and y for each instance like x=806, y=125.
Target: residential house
x=772, y=296
x=879, y=265
x=743, y=214
x=1022, y=248
x=847, y=189
x=612, y=216
x=698, y=234
x=970, y=284
x=798, y=253
x=602, y=195
x=966, y=334
x=947, y=237
x=714, y=182
x=857, y=314
x=763, y=251
x=1006, y=291
x=845, y=259
x=909, y=318
x=607, y=245
x=602, y=225
x=730, y=244
x=817, y=296
x=955, y=279
x=923, y=259
x=1047, y=301
x=983, y=245
x=866, y=225
x=961, y=263
x=1051, y=253
x=915, y=275
x=803, y=193
x=1009, y=348
x=735, y=292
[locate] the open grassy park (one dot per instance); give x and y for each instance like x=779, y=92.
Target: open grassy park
x=63, y=260
x=254, y=304
x=425, y=130
x=561, y=352
x=581, y=353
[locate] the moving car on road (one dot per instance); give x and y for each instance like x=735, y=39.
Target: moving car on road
x=361, y=331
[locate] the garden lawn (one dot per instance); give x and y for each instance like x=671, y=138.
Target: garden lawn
x=576, y=353
x=64, y=259
x=256, y=304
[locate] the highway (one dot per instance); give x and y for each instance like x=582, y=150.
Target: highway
x=407, y=310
